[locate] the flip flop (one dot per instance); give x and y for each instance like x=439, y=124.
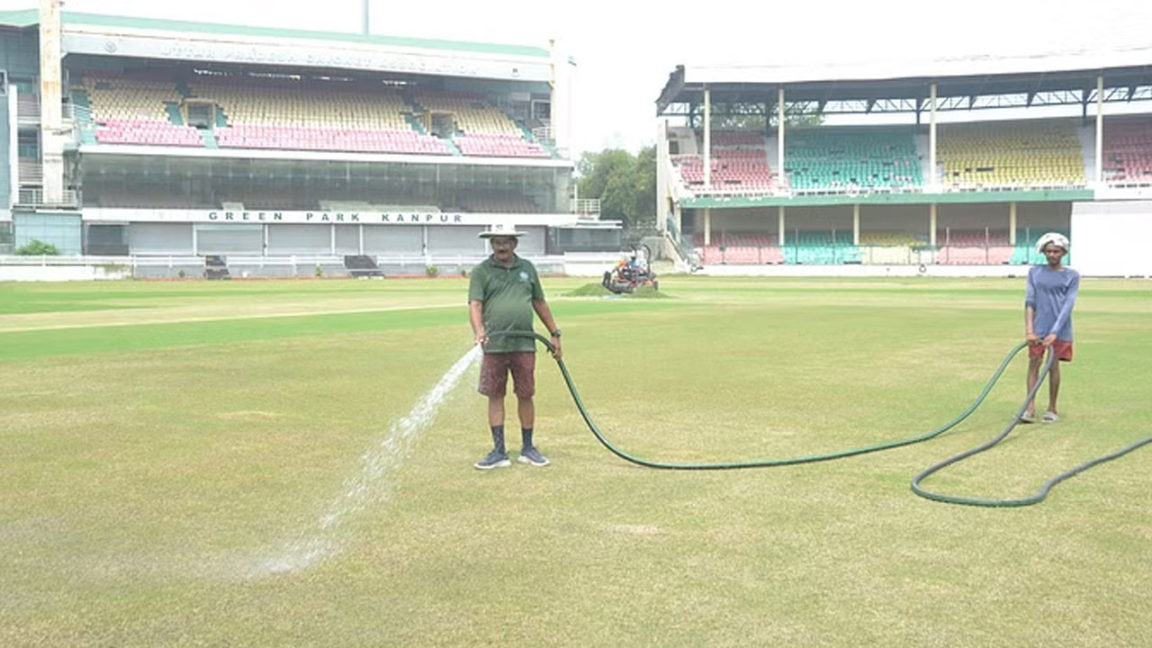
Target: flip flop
x=1027, y=418
x=1050, y=417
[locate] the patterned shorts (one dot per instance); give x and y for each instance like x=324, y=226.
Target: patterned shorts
x=494, y=373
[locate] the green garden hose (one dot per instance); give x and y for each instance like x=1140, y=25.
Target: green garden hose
x=765, y=463
x=1022, y=501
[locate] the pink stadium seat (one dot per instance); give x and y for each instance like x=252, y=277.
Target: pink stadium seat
x=739, y=163
x=973, y=247
x=152, y=133
x=740, y=249
x=1128, y=151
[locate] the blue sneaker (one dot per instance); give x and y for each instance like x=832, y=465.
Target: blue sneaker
x=531, y=455
x=494, y=459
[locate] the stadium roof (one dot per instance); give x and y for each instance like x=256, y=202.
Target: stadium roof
x=1065, y=78
x=151, y=38
x=30, y=17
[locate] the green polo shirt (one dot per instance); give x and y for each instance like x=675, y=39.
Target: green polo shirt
x=507, y=294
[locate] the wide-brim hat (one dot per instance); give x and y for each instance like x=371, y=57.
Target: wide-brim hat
x=501, y=229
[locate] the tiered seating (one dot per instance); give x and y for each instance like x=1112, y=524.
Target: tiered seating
x=480, y=129
x=741, y=249
x=1128, y=152
x=483, y=145
x=833, y=160
x=328, y=139
x=130, y=110
x=888, y=248
x=1016, y=154
x=973, y=247
x=820, y=248
x=114, y=98
x=153, y=133
x=311, y=116
x=472, y=114
x=739, y=162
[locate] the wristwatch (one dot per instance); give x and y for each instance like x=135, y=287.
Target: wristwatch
x=556, y=333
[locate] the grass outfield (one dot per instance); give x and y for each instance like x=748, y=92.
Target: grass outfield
x=247, y=464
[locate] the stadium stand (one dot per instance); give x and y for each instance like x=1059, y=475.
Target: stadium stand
x=1128, y=151
x=741, y=249
x=834, y=160
x=888, y=248
x=299, y=115
x=295, y=114
x=1011, y=154
x=476, y=127
x=485, y=145
x=739, y=162
x=973, y=247
x=820, y=248
x=130, y=110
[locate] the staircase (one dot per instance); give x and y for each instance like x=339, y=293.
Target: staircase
x=452, y=146
x=82, y=114
x=174, y=114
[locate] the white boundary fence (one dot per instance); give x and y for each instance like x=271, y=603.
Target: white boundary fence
x=89, y=268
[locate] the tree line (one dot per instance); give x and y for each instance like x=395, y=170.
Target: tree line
x=624, y=183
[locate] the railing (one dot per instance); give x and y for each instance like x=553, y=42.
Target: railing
x=234, y=261
x=31, y=197
x=544, y=134
x=28, y=110
x=588, y=208
x=785, y=191
x=31, y=172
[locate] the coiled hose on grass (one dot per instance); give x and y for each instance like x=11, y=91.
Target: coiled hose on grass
x=916, y=488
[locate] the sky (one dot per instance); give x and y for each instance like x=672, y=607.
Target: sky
x=626, y=50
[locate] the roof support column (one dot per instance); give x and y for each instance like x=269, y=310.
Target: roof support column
x=932, y=222
x=52, y=134
x=1012, y=223
x=780, y=223
x=707, y=226
x=856, y=224
x=933, y=175
x=1099, y=175
x=780, y=142
x=707, y=139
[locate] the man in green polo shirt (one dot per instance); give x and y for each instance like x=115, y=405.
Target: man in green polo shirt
x=502, y=294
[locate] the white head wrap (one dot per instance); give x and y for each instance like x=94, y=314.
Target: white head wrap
x=1052, y=237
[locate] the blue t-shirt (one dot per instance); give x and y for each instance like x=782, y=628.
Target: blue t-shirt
x=1052, y=293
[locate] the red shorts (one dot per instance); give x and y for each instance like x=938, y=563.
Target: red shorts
x=494, y=373
x=1063, y=350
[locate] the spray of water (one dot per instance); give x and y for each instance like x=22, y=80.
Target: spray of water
x=371, y=483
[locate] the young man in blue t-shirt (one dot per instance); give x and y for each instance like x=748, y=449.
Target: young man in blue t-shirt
x=1048, y=301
